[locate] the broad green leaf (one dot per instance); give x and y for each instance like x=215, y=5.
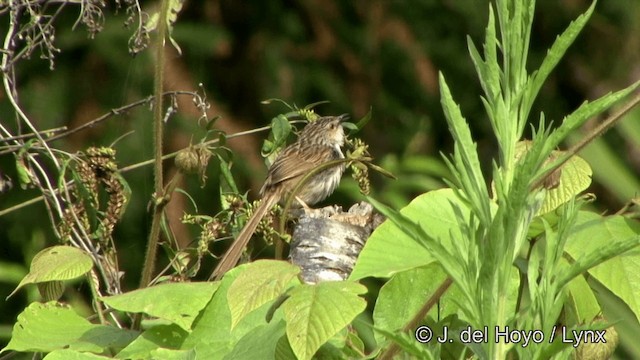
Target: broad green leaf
x=314, y=313
x=389, y=250
x=66, y=354
x=583, y=305
x=574, y=179
x=179, y=303
x=171, y=354
x=260, y=343
x=50, y=326
x=259, y=283
x=160, y=336
x=594, y=234
x=412, y=289
x=57, y=263
x=281, y=128
x=211, y=335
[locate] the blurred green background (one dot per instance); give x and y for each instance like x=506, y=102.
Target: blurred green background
x=382, y=56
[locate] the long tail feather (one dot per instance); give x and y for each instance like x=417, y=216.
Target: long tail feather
x=231, y=257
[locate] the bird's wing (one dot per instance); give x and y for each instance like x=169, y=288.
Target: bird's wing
x=292, y=163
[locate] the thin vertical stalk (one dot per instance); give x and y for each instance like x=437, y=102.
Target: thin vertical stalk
x=159, y=197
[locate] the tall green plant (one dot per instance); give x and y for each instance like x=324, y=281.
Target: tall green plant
x=505, y=278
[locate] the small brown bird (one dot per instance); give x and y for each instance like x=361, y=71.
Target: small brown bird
x=319, y=142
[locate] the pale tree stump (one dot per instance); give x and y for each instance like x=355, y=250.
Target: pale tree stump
x=326, y=242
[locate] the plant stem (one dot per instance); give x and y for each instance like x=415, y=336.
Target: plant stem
x=159, y=196
x=598, y=131
x=392, y=350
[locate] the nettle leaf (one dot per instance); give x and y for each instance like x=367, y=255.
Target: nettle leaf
x=160, y=336
x=315, y=313
x=259, y=283
x=389, y=249
x=179, y=303
x=50, y=326
x=57, y=263
x=594, y=234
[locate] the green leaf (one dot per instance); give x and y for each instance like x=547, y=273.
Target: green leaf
x=260, y=343
x=488, y=71
x=179, y=303
x=281, y=128
x=466, y=166
x=259, y=283
x=211, y=335
x=56, y=263
x=226, y=177
x=556, y=52
x=314, y=313
x=583, y=305
x=586, y=111
x=365, y=119
x=412, y=288
x=67, y=354
x=159, y=336
x=170, y=354
x=389, y=249
x=610, y=170
x=575, y=177
x=50, y=326
x=599, y=238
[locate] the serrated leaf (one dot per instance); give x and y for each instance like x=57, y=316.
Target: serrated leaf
x=593, y=234
x=556, y=52
x=314, y=313
x=50, y=326
x=466, y=166
x=181, y=302
x=259, y=283
x=57, y=263
x=586, y=111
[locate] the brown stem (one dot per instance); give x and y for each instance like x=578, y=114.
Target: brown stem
x=393, y=349
x=598, y=131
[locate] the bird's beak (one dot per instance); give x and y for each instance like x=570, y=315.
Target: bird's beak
x=344, y=117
